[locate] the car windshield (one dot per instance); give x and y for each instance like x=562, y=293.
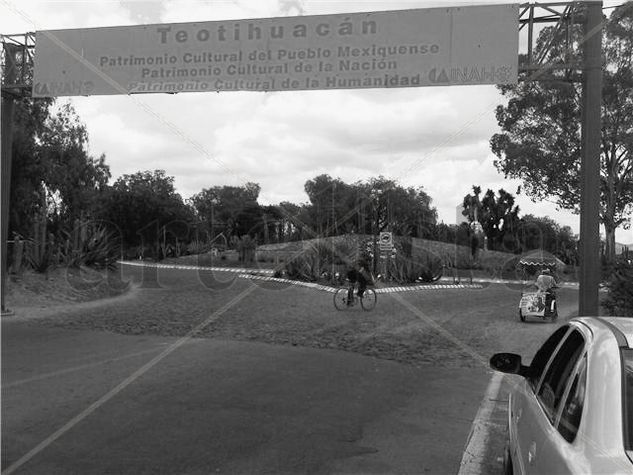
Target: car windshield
x=627, y=409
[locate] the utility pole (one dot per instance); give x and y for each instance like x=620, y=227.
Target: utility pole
x=6, y=142
x=590, y=268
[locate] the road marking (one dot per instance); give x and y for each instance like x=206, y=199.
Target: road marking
x=473, y=458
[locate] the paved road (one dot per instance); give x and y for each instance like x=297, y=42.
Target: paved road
x=82, y=401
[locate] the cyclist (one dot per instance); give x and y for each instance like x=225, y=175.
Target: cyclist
x=356, y=275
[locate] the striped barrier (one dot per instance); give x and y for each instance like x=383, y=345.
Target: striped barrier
x=189, y=267
x=381, y=290
x=266, y=274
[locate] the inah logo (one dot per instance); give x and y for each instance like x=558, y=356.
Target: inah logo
x=435, y=78
x=471, y=75
x=68, y=88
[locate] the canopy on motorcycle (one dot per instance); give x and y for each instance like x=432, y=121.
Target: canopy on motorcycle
x=534, y=261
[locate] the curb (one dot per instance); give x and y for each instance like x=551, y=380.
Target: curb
x=190, y=267
x=382, y=290
x=266, y=275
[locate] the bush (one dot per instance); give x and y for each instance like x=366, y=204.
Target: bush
x=312, y=263
x=101, y=250
x=619, y=300
x=198, y=247
x=404, y=269
x=39, y=249
x=301, y=267
x=245, y=247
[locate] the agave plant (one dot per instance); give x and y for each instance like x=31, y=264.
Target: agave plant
x=90, y=245
x=39, y=249
x=404, y=269
x=315, y=259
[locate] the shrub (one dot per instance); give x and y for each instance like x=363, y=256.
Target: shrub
x=89, y=244
x=300, y=268
x=198, y=247
x=310, y=264
x=245, y=247
x=345, y=253
x=39, y=254
x=39, y=249
x=408, y=270
x=619, y=300
x=101, y=250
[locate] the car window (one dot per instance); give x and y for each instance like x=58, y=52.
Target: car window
x=559, y=371
x=627, y=409
x=543, y=355
x=572, y=410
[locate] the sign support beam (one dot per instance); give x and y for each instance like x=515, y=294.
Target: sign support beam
x=6, y=145
x=590, y=269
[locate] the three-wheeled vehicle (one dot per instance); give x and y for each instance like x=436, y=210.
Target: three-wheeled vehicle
x=538, y=304
x=535, y=303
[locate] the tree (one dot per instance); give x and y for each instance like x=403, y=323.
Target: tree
x=52, y=173
x=75, y=178
x=537, y=233
x=292, y=221
x=232, y=209
x=143, y=206
x=331, y=205
x=28, y=171
x=389, y=206
x=497, y=215
x=544, y=233
x=540, y=142
x=472, y=205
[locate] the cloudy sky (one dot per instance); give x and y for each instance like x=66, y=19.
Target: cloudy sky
x=434, y=137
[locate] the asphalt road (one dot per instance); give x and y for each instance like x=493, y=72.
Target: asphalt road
x=85, y=401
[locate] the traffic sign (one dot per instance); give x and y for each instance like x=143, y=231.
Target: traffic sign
x=385, y=241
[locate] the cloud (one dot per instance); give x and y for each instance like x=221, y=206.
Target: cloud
x=23, y=16
x=434, y=137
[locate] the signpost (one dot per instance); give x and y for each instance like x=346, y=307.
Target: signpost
x=403, y=48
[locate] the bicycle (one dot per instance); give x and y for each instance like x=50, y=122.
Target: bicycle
x=342, y=300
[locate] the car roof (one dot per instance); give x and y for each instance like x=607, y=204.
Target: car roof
x=622, y=327
x=625, y=325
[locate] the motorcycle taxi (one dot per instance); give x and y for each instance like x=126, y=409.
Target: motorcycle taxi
x=540, y=302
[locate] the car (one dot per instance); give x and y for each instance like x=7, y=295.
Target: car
x=571, y=410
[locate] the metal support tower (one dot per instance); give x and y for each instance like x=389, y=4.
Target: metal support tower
x=17, y=72
x=587, y=71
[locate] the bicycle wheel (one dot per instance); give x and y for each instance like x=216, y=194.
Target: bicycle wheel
x=369, y=299
x=340, y=299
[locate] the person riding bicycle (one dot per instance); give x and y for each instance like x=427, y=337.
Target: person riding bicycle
x=357, y=275
x=546, y=283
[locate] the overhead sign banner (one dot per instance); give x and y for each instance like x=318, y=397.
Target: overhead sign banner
x=403, y=48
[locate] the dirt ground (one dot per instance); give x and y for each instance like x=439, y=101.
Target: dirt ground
x=36, y=293
x=421, y=327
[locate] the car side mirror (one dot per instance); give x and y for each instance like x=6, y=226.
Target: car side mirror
x=507, y=363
